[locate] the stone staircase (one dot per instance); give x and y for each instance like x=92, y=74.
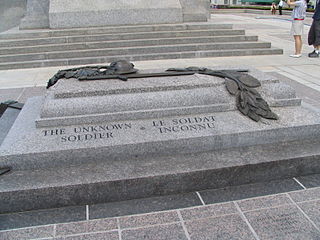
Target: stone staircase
x=45, y=48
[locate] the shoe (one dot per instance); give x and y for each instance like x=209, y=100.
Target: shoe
x=313, y=54
x=296, y=55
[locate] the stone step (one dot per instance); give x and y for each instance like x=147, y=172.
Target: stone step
x=142, y=57
x=116, y=37
x=124, y=43
x=140, y=178
x=112, y=30
x=133, y=51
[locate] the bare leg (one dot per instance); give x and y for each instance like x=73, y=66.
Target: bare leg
x=298, y=44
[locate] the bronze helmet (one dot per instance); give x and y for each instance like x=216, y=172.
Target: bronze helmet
x=122, y=67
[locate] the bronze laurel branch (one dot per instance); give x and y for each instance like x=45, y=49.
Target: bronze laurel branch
x=240, y=84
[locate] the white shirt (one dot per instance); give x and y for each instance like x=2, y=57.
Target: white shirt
x=299, y=10
x=281, y=3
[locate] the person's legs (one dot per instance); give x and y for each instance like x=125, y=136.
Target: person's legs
x=296, y=31
x=314, y=38
x=316, y=51
x=298, y=44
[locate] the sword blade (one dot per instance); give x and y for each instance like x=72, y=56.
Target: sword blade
x=134, y=75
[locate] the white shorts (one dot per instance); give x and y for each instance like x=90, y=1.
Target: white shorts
x=297, y=27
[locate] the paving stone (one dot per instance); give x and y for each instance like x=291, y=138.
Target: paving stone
x=162, y=232
x=264, y=202
x=221, y=228
x=42, y=217
x=93, y=236
x=86, y=227
x=27, y=233
x=306, y=195
x=285, y=222
x=144, y=205
x=310, y=181
x=148, y=219
x=31, y=92
x=307, y=94
x=10, y=94
x=249, y=191
x=312, y=209
x=208, y=211
x=6, y=121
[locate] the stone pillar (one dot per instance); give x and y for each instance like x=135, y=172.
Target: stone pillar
x=195, y=10
x=90, y=13
x=85, y=13
x=37, y=15
x=11, y=12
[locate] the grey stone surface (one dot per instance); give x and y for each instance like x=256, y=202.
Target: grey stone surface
x=6, y=122
x=109, y=12
x=135, y=50
x=31, y=92
x=161, y=232
x=45, y=33
x=28, y=233
x=195, y=10
x=154, y=176
x=114, y=99
x=249, y=191
x=306, y=195
x=100, y=225
x=264, y=202
x=123, y=44
x=93, y=236
x=224, y=228
x=165, y=41
x=307, y=94
x=285, y=222
x=42, y=217
x=149, y=99
x=158, y=154
x=143, y=205
x=56, y=13
x=310, y=181
x=90, y=142
x=116, y=44
x=11, y=12
x=10, y=94
x=138, y=57
x=37, y=15
x=148, y=219
x=312, y=210
x=155, y=32
x=208, y=211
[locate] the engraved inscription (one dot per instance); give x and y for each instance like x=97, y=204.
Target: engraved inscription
x=111, y=131
x=86, y=133
x=184, y=124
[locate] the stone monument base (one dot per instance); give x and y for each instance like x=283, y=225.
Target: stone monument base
x=131, y=178
x=83, y=13
x=99, y=141
x=36, y=15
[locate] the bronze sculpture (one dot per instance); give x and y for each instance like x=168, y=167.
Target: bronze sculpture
x=248, y=101
x=238, y=83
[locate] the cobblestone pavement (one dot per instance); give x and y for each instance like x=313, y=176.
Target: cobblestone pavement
x=286, y=209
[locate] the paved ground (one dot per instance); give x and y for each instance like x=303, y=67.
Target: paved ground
x=286, y=209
